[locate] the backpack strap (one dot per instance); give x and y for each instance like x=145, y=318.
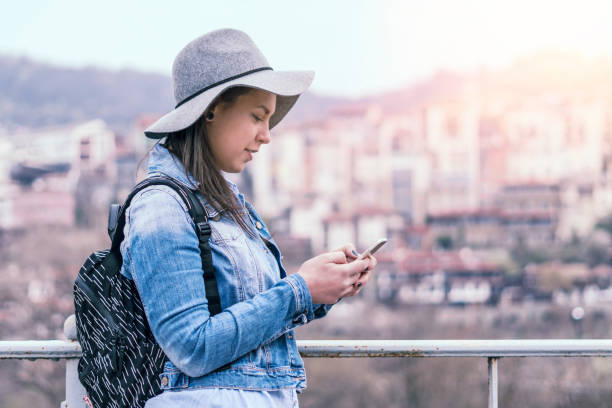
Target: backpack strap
x=203, y=231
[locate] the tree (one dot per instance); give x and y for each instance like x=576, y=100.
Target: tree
x=444, y=242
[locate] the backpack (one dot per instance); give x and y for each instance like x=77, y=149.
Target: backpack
x=121, y=362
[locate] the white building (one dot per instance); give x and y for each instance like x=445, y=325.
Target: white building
x=46, y=166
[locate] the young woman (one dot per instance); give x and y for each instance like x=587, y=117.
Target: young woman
x=245, y=356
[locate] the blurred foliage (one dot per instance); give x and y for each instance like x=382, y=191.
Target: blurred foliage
x=524, y=255
x=37, y=270
x=444, y=242
x=605, y=224
x=37, y=94
x=511, y=268
x=554, y=276
x=593, y=249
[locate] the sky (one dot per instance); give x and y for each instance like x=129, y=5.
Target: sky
x=356, y=47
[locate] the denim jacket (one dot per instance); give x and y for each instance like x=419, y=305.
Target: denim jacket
x=250, y=344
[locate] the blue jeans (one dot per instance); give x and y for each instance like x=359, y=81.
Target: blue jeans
x=225, y=397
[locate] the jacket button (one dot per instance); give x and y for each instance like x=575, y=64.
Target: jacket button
x=258, y=225
x=301, y=319
x=164, y=381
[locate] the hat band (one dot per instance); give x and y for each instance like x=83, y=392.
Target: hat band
x=221, y=82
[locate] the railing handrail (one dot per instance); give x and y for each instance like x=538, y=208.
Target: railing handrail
x=456, y=348
x=64, y=349
x=35, y=349
x=492, y=349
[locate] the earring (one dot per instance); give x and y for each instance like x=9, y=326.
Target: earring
x=210, y=116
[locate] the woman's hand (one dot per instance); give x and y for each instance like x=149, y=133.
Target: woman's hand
x=351, y=255
x=333, y=275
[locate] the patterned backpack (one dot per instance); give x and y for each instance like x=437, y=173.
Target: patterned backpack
x=122, y=362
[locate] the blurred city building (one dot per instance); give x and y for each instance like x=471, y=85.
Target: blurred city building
x=491, y=164
x=440, y=277
x=57, y=176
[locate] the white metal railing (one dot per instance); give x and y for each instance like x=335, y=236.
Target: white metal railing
x=493, y=350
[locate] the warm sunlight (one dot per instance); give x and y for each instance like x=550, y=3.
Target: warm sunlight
x=473, y=137
x=480, y=33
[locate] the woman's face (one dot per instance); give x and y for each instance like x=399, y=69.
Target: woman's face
x=238, y=130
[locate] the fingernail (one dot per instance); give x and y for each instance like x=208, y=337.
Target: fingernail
x=355, y=252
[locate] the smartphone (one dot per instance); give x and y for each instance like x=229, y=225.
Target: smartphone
x=372, y=249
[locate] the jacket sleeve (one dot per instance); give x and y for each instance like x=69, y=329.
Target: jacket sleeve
x=166, y=267
x=321, y=310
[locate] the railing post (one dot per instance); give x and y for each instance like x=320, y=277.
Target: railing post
x=493, y=381
x=74, y=389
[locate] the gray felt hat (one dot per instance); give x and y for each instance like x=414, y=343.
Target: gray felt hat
x=216, y=61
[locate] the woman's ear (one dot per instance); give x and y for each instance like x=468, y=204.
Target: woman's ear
x=210, y=112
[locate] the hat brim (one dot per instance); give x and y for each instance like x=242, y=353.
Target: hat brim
x=287, y=85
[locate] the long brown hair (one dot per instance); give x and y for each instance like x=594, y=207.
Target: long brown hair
x=191, y=146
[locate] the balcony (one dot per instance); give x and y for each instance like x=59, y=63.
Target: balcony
x=492, y=350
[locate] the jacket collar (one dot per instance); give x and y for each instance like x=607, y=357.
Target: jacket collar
x=162, y=161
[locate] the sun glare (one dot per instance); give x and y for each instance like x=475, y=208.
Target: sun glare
x=479, y=33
